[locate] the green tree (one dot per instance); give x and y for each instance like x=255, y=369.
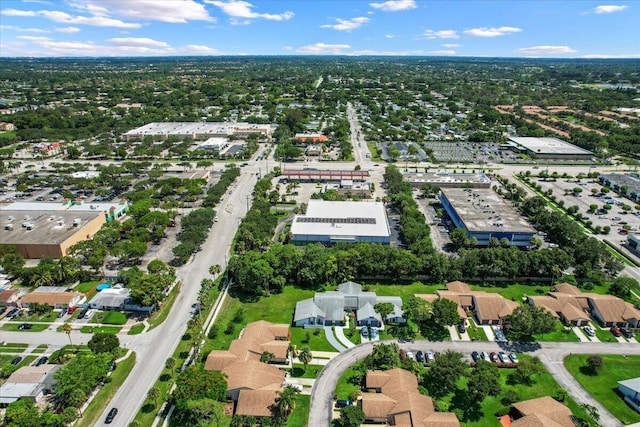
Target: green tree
x=266, y=357
x=527, y=321
x=170, y=364
x=286, y=400
x=153, y=394
x=351, y=416
x=66, y=328
x=305, y=356
x=214, y=269
x=104, y=343
x=445, y=312
x=196, y=383
x=622, y=286
x=484, y=380
x=445, y=371
x=384, y=309
x=384, y=356
x=594, y=363
x=458, y=238
x=526, y=369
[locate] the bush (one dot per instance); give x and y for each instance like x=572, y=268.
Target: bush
x=502, y=412
x=231, y=327
x=213, y=332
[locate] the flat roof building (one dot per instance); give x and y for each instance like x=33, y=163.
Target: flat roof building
x=483, y=214
x=348, y=187
x=333, y=222
x=626, y=184
x=448, y=180
x=548, y=148
x=199, y=129
x=324, y=175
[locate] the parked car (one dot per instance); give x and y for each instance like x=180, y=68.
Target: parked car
x=494, y=357
x=410, y=355
x=111, y=415
x=374, y=333
x=16, y=360
x=25, y=326
x=485, y=356
x=475, y=356
x=500, y=335
x=627, y=333
x=429, y=356
x=513, y=357
x=461, y=328
x=503, y=357
x=83, y=313
x=588, y=330
x=364, y=331
x=62, y=312
x=13, y=313
x=41, y=361
x=615, y=331
x=341, y=403
x=71, y=310
x=420, y=356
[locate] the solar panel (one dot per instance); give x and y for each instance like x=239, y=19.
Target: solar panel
x=336, y=220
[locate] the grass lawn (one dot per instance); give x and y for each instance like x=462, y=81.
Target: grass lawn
x=101, y=329
x=136, y=329
x=28, y=360
x=111, y=318
x=604, y=335
x=300, y=414
x=299, y=372
x=475, y=332
x=317, y=339
x=375, y=156
x=603, y=386
x=13, y=346
x=13, y=327
x=345, y=385
x=561, y=334
x=40, y=349
x=99, y=402
x=5, y=359
x=159, y=316
x=85, y=287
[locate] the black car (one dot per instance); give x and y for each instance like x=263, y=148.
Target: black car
x=420, y=357
x=16, y=360
x=83, y=313
x=25, y=326
x=111, y=415
x=341, y=403
x=13, y=313
x=627, y=333
x=41, y=361
x=461, y=328
x=475, y=356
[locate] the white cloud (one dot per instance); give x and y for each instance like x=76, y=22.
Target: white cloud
x=450, y=45
x=390, y=36
x=197, y=49
x=442, y=34
x=68, y=30
x=608, y=8
x=65, y=18
x=441, y=52
x=394, y=5
x=172, y=11
x=347, y=24
x=137, y=41
x=546, y=50
x=492, y=32
x=22, y=30
x=243, y=9
x=368, y=52
x=323, y=48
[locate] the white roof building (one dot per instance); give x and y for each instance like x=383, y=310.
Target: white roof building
x=333, y=222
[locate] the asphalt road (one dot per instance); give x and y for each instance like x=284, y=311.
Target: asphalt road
x=551, y=354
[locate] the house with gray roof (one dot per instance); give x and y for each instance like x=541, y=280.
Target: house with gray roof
x=331, y=308
x=630, y=391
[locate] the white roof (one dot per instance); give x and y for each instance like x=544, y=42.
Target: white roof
x=548, y=145
x=342, y=219
x=632, y=384
x=10, y=392
x=202, y=128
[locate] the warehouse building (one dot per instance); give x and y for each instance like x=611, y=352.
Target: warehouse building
x=484, y=215
x=316, y=175
x=548, y=148
x=333, y=222
x=448, y=180
x=199, y=130
x=626, y=184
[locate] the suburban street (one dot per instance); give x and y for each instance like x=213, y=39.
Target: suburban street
x=550, y=353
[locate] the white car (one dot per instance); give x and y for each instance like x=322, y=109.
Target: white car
x=429, y=357
x=589, y=331
x=90, y=314
x=410, y=355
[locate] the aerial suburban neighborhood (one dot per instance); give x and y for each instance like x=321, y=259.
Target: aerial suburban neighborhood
x=319, y=241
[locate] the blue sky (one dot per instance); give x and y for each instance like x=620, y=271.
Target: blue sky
x=564, y=29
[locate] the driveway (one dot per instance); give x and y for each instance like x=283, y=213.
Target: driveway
x=489, y=332
x=342, y=338
x=551, y=354
x=328, y=331
x=580, y=334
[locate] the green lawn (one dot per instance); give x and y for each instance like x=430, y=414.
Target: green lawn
x=100, y=329
x=111, y=318
x=159, y=316
x=476, y=333
x=300, y=414
x=98, y=404
x=603, y=385
x=561, y=334
x=41, y=349
x=317, y=339
x=85, y=287
x=28, y=360
x=311, y=372
x=346, y=385
x=136, y=329
x=13, y=327
x=6, y=359
x=13, y=346
x=604, y=335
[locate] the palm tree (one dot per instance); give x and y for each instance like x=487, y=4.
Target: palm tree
x=170, y=364
x=267, y=357
x=153, y=394
x=305, y=357
x=286, y=400
x=66, y=328
x=215, y=269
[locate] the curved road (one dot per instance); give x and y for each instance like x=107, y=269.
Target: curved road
x=551, y=354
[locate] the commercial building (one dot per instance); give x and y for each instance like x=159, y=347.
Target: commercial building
x=333, y=222
x=630, y=391
x=488, y=308
x=393, y=399
x=448, y=180
x=331, y=308
x=316, y=175
x=633, y=240
x=483, y=214
x=199, y=130
x=573, y=306
x=310, y=137
x=347, y=187
x=215, y=144
x=548, y=148
x=626, y=184
x=28, y=382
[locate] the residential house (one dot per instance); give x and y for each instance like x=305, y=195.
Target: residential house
x=28, y=382
x=10, y=297
x=487, y=308
x=252, y=384
x=331, y=308
x=394, y=399
x=543, y=411
x=630, y=391
x=111, y=299
x=54, y=299
x=310, y=137
x=573, y=306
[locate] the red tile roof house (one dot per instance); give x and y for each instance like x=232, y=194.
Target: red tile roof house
x=252, y=384
x=310, y=137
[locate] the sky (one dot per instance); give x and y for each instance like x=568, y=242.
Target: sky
x=515, y=28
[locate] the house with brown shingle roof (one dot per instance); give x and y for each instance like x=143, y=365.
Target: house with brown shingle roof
x=252, y=384
x=488, y=308
x=54, y=299
x=573, y=307
x=541, y=412
x=394, y=399
x=9, y=297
